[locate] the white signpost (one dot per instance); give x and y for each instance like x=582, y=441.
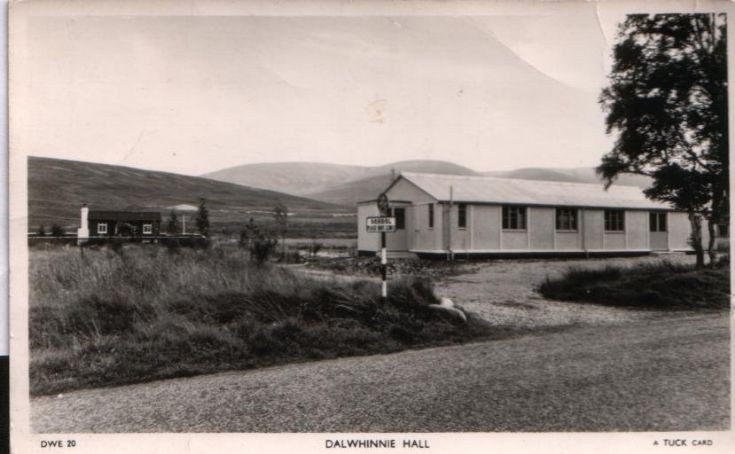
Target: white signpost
x=382, y=224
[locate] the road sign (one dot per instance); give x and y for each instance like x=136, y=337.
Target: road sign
x=381, y=224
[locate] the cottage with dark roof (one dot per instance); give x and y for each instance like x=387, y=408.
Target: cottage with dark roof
x=107, y=223
x=445, y=215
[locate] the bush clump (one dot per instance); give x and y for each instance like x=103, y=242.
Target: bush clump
x=652, y=286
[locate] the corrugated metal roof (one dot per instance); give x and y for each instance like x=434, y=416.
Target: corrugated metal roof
x=530, y=192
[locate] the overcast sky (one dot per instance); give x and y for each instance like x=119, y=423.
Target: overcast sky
x=197, y=94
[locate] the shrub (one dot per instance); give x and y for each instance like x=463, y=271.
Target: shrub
x=315, y=247
x=662, y=285
x=262, y=249
x=57, y=230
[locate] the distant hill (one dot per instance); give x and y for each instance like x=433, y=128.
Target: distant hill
x=420, y=166
x=574, y=175
x=57, y=188
x=355, y=191
x=378, y=178
x=322, y=179
x=297, y=178
x=347, y=185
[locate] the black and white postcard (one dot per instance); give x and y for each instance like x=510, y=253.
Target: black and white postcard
x=370, y=226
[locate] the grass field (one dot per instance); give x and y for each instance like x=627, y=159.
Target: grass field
x=646, y=286
x=101, y=318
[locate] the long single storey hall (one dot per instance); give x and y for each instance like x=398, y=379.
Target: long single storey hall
x=444, y=215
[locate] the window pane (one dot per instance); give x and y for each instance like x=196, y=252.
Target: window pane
x=614, y=220
x=521, y=217
x=431, y=215
x=566, y=219
x=514, y=217
x=400, y=215
x=462, y=216
x=561, y=215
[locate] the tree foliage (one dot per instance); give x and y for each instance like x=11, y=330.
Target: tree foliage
x=260, y=243
x=250, y=232
x=667, y=104
x=172, y=226
x=202, y=219
x=280, y=216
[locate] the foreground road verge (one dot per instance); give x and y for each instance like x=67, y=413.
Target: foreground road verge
x=664, y=374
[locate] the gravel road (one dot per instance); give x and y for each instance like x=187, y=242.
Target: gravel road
x=585, y=368
x=667, y=374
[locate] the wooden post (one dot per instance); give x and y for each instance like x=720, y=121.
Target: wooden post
x=449, y=222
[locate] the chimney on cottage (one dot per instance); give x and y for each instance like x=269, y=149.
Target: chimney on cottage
x=83, y=230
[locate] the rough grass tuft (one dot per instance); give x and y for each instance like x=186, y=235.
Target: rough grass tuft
x=652, y=286
x=108, y=318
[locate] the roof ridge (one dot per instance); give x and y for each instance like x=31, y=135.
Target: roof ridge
x=482, y=188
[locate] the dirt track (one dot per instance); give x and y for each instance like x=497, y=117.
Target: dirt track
x=503, y=292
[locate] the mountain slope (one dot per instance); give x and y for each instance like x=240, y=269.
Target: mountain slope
x=350, y=193
x=57, y=188
x=297, y=178
x=347, y=185
x=332, y=183
x=420, y=166
x=370, y=187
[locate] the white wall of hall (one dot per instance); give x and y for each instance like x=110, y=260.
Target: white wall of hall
x=484, y=231
x=366, y=241
x=679, y=229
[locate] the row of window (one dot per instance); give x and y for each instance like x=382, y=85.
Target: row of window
x=102, y=228
x=515, y=218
